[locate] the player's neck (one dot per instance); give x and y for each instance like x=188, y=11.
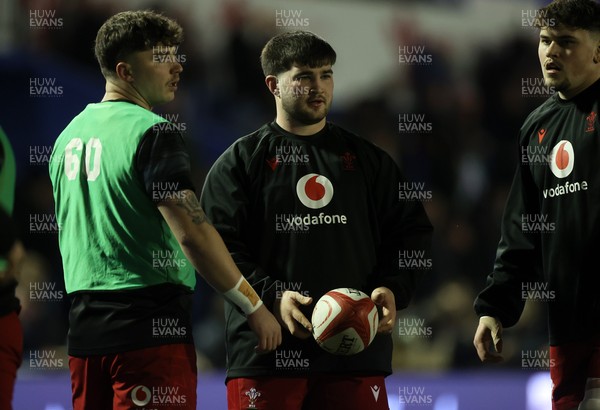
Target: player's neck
x=296, y=128
x=567, y=95
x=115, y=91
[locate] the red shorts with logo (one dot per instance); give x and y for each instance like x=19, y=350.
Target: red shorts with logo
x=571, y=365
x=11, y=354
x=314, y=392
x=162, y=377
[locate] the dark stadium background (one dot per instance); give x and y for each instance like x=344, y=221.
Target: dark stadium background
x=468, y=95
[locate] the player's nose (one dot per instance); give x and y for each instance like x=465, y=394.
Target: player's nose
x=552, y=49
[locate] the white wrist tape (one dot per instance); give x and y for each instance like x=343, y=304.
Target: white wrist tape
x=244, y=296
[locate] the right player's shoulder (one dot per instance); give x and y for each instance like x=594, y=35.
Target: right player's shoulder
x=542, y=110
x=537, y=118
x=251, y=145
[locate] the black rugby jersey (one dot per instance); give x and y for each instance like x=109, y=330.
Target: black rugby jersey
x=311, y=214
x=550, y=233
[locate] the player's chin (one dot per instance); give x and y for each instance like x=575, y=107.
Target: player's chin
x=311, y=119
x=548, y=80
x=317, y=115
x=166, y=98
x=318, y=110
x=553, y=79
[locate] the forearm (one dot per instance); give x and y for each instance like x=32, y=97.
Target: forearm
x=502, y=297
x=207, y=252
x=205, y=249
x=518, y=257
x=227, y=199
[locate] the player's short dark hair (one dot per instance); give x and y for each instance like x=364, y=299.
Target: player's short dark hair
x=295, y=47
x=131, y=31
x=577, y=14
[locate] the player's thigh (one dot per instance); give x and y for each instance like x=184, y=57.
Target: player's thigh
x=266, y=393
x=91, y=386
x=11, y=353
x=571, y=365
x=346, y=392
x=155, y=377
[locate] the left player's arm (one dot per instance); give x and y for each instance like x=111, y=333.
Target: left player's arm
x=163, y=166
x=204, y=248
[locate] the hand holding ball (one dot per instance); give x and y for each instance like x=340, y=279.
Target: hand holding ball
x=345, y=321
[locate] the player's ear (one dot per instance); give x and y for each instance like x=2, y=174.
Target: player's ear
x=273, y=85
x=124, y=71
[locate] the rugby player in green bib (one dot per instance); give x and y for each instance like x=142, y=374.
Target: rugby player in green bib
x=132, y=232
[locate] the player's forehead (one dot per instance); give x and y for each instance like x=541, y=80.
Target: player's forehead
x=305, y=68
x=562, y=31
x=157, y=49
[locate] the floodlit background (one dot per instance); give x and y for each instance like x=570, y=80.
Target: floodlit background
x=442, y=85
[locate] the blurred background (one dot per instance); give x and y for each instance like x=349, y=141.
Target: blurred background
x=441, y=85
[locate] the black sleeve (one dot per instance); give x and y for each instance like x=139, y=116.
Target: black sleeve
x=404, y=227
x=518, y=257
x=163, y=163
x=226, y=200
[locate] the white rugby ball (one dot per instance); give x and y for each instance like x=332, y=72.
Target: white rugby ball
x=345, y=321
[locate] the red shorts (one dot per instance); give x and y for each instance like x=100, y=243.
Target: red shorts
x=161, y=378
x=570, y=366
x=314, y=392
x=11, y=355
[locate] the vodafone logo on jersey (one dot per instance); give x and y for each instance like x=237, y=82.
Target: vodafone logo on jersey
x=314, y=191
x=562, y=159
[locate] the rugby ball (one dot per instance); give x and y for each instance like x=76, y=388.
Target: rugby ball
x=344, y=321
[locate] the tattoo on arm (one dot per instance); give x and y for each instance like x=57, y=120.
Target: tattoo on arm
x=194, y=210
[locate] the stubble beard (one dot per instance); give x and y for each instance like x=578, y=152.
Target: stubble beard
x=558, y=84
x=300, y=113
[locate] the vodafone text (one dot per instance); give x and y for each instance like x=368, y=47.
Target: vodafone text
x=566, y=188
x=307, y=220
